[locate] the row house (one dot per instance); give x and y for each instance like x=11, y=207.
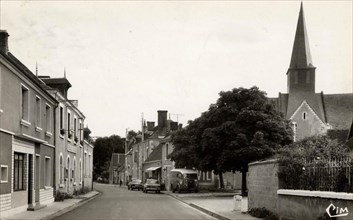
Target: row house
x=27, y=136
x=72, y=151
x=42, y=145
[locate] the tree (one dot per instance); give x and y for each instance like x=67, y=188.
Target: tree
x=241, y=127
x=103, y=149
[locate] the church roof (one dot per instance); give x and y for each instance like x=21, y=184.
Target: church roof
x=339, y=110
x=301, y=57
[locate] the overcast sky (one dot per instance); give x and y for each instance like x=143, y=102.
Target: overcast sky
x=124, y=58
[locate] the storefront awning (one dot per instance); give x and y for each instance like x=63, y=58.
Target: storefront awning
x=153, y=168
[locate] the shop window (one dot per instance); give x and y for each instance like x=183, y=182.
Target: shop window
x=47, y=172
x=18, y=172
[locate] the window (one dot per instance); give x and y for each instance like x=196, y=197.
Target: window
x=73, y=170
x=85, y=164
x=305, y=115
x=67, y=168
x=296, y=77
x=75, y=128
x=89, y=165
x=48, y=117
x=4, y=173
x=38, y=112
x=80, y=130
x=69, y=125
x=18, y=172
x=47, y=172
x=80, y=170
x=61, y=174
x=307, y=77
x=24, y=103
x=61, y=118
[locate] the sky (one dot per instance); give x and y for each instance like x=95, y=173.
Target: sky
x=128, y=58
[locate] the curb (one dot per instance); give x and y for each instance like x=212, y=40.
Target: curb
x=70, y=208
x=206, y=211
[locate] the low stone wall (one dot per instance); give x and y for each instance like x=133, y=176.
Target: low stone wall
x=262, y=184
x=304, y=204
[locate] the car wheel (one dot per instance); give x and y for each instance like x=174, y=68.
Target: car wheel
x=158, y=192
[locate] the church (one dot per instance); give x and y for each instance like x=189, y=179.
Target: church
x=311, y=113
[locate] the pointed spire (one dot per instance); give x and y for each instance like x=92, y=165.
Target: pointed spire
x=65, y=72
x=301, y=56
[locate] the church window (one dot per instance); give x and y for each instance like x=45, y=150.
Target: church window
x=307, y=77
x=295, y=77
x=305, y=115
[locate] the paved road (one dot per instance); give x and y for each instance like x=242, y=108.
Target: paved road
x=120, y=203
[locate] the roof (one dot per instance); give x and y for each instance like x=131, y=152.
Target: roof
x=301, y=57
x=19, y=65
x=339, y=110
x=185, y=171
x=156, y=154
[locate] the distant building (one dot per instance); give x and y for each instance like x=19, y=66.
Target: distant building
x=117, y=169
x=311, y=113
x=27, y=137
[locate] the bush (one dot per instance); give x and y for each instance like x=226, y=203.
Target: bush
x=263, y=213
x=81, y=191
x=61, y=196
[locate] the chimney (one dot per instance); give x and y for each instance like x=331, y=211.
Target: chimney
x=4, y=47
x=150, y=125
x=173, y=125
x=162, y=119
x=180, y=126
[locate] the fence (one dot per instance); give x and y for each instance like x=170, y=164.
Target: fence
x=328, y=175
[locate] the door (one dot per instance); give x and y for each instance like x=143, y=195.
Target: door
x=37, y=180
x=30, y=176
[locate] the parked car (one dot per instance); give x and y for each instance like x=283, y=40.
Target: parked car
x=152, y=185
x=135, y=184
x=183, y=180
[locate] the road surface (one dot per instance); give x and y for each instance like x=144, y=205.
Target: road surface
x=120, y=203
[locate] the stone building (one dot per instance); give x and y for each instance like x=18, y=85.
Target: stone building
x=27, y=137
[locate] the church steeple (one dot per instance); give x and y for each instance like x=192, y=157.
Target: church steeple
x=301, y=56
x=301, y=72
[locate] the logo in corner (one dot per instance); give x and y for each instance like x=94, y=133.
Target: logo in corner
x=334, y=211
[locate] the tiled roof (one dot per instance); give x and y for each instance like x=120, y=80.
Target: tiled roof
x=156, y=154
x=339, y=110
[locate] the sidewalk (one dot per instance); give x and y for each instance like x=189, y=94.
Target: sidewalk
x=218, y=205
x=55, y=209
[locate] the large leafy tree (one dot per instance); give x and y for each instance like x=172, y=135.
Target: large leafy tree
x=241, y=127
x=103, y=149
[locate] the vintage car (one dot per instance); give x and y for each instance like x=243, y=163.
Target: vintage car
x=152, y=185
x=135, y=184
x=183, y=180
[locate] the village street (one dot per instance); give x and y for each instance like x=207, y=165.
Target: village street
x=120, y=203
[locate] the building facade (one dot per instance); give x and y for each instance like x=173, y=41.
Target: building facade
x=27, y=136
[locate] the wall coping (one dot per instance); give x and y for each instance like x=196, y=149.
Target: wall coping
x=321, y=194
x=263, y=162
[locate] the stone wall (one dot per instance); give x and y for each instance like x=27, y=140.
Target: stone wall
x=304, y=204
x=262, y=184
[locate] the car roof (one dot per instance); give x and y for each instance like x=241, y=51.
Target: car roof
x=184, y=171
